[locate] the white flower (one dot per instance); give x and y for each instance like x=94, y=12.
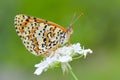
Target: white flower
x=62, y=55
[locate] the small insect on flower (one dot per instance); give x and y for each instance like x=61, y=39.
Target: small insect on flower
x=40, y=36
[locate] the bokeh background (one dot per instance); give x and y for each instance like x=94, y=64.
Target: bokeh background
x=98, y=29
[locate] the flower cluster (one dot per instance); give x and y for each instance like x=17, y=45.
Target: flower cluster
x=62, y=56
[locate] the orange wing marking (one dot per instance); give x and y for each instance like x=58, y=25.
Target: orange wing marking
x=50, y=23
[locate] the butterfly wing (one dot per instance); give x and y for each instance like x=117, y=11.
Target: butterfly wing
x=38, y=35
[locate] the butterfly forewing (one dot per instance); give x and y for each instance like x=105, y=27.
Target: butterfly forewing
x=38, y=35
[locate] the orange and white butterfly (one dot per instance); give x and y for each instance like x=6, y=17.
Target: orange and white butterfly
x=41, y=36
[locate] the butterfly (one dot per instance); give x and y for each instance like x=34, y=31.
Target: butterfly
x=41, y=36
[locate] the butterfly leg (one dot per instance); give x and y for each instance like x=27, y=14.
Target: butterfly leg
x=68, y=42
x=47, y=53
x=44, y=55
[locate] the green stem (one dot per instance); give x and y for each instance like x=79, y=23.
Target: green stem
x=78, y=57
x=70, y=70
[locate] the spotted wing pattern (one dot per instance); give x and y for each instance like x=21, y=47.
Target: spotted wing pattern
x=38, y=35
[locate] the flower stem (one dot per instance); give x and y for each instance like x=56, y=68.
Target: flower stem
x=78, y=57
x=70, y=70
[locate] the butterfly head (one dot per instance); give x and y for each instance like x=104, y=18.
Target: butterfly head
x=70, y=30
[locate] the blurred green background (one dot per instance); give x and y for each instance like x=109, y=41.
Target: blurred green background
x=98, y=29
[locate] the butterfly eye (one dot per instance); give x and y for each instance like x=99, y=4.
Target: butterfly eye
x=70, y=30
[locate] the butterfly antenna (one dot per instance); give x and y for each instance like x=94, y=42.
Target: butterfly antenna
x=73, y=17
x=74, y=20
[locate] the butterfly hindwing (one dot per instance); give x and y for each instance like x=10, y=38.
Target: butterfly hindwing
x=38, y=35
